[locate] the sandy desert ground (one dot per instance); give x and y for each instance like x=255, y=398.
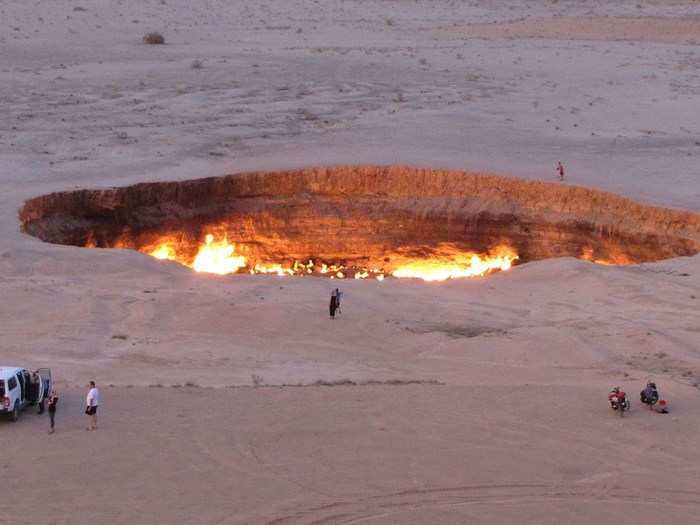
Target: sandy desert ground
x=486, y=398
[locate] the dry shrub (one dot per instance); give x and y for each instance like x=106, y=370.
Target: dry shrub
x=305, y=114
x=153, y=38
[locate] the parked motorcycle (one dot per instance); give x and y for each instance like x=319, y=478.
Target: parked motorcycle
x=618, y=401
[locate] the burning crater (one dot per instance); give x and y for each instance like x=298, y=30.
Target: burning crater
x=363, y=222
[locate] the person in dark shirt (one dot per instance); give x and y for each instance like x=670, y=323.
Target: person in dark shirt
x=334, y=304
x=53, y=401
x=338, y=293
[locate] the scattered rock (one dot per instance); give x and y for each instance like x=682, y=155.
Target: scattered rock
x=153, y=38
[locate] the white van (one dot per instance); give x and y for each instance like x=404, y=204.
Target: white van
x=20, y=388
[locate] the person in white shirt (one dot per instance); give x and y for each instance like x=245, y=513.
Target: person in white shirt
x=92, y=402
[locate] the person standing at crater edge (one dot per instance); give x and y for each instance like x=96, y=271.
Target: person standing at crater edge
x=92, y=401
x=338, y=293
x=560, y=171
x=334, y=304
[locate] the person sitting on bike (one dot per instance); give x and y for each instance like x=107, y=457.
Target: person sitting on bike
x=650, y=394
x=617, y=395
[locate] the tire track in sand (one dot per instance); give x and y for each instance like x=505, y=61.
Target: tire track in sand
x=383, y=507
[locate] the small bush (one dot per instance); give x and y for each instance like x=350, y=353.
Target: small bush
x=337, y=382
x=305, y=114
x=153, y=38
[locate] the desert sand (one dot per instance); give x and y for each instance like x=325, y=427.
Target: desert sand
x=467, y=401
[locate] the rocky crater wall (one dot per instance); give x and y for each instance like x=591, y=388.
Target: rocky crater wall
x=366, y=215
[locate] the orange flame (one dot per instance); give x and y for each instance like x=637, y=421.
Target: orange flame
x=277, y=269
x=217, y=257
x=220, y=257
x=164, y=252
x=614, y=257
x=460, y=265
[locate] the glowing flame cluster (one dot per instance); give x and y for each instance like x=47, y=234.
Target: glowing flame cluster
x=217, y=257
x=614, y=257
x=459, y=266
x=220, y=257
x=164, y=252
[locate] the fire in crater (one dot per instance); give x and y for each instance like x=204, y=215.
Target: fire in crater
x=220, y=257
x=363, y=222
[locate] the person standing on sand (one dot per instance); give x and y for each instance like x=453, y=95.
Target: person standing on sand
x=53, y=401
x=560, y=171
x=338, y=293
x=34, y=389
x=334, y=304
x=92, y=401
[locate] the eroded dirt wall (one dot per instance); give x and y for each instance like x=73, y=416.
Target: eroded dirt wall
x=364, y=213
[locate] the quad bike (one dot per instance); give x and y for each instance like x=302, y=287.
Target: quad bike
x=618, y=401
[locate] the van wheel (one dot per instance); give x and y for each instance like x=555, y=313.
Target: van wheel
x=15, y=412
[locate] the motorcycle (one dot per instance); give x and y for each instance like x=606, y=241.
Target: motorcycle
x=618, y=401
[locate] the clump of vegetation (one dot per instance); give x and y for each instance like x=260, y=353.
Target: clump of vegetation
x=337, y=382
x=153, y=38
x=305, y=114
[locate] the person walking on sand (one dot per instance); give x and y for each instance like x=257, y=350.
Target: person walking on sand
x=334, y=304
x=338, y=293
x=92, y=401
x=52, y=402
x=560, y=171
